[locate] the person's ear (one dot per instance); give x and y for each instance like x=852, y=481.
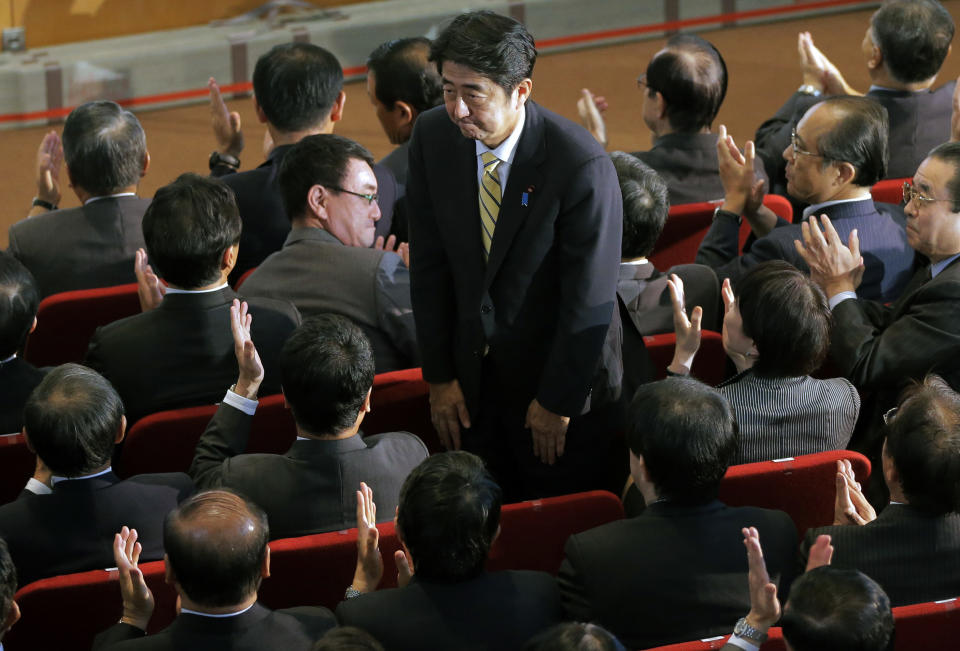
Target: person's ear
x=261, y=116
x=846, y=173
x=875, y=60
x=659, y=104
x=122, y=431
x=336, y=111
x=286, y=403
x=12, y=617
x=890, y=473
x=146, y=164
x=317, y=202
x=365, y=407
x=34, y=325
x=229, y=259
x=265, y=569
x=168, y=576
x=524, y=89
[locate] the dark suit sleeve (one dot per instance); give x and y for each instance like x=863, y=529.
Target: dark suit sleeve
x=773, y=136
x=116, y=633
x=431, y=288
x=394, y=311
x=588, y=235
x=573, y=592
x=872, y=350
x=93, y=358
x=722, y=240
x=226, y=436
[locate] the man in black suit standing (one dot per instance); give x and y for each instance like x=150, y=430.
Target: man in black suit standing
x=515, y=225
x=298, y=91
x=18, y=317
x=677, y=571
x=327, y=370
x=911, y=547
x=216, y=557
x=179, y=353
x=92, y=245
x=448, y=517
x=63, y=522
x=904, y=47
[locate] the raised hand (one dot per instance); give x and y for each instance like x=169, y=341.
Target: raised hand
x=248, y=359
x=850, y=504
x=49, y=162
x=955, y=115
x=150, y=290
x=226, y=124
x=138, y=600
x=590, y=108
x=687, y=329
x=821, y=553
x=764, y=605
x=369, y=570
x=833, y=266
x=818, y=70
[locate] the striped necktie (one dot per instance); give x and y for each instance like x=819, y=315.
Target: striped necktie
x=489, y=200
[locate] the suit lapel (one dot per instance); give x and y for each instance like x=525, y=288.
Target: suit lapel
x=524, y=179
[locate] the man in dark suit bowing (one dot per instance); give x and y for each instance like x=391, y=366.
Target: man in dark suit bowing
x=515, y=246
x=179, y=352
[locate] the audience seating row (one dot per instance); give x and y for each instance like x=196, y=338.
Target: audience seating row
x=310, y=570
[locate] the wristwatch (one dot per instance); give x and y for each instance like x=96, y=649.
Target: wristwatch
x=719, y=211
x=216, y=158
x=749, y=633
x=807, y=89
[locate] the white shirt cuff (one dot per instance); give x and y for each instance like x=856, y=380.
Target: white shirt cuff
x=837, y=299
x=742, y=643
x=235, y=400
x=37, y=487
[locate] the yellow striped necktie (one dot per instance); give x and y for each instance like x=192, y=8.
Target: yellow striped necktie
x=489, y=200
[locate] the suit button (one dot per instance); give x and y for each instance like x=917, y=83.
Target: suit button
x=484, y=309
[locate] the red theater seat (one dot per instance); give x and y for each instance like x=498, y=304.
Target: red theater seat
x=243, y=278
x=773, y=643
x=710, y=364
x=67, y=321
x=931, y=625
x=688, y=223
x=803, y=486
x=889, y=191
x=401, y=402
x=17, y=464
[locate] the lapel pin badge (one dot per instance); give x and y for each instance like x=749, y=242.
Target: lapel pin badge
x=525, y=197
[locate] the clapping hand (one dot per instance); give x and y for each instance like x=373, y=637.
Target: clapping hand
x=687, y=329
x=226, y=124
x=49, y=162
x=850, y=505
x=248, y=359
x=149, y=288
x=391, y=244
x=369, y=570
x=764, y=605
x=818, y=71
x=590, y=108
x=138, y=601
x=833, y=266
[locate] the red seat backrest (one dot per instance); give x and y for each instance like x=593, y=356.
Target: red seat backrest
x=67, y=612
x=401, y=402
x=803, y=486
x=17, y=464
x=165, y=441
x=327, y=560
x=889, y=191
x=931, y=625
x=688, y=223
x=710, y=364
x=67, y=321
x=243, y=277
x=774, y=643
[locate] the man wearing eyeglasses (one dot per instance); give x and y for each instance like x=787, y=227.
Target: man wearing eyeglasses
x=881, y=348
x=683, y=87
x=838, y=150
x=327, y=263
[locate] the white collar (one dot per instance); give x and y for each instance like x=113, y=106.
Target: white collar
x=110, y=196
x=506, y=150
x=57, y=480
x=809, y=210
x=224, y=615
x=174, y=290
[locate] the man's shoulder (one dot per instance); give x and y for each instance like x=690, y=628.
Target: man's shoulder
x=399, y=441
x=60, y=221
x=159, y=480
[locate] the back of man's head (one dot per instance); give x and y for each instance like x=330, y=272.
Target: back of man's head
x=296, y=85
x=646, y=203
x=104, y=147
x=691, y=75
x=833, y=609
x=448, y=516
x=188, y=226
x=215, y=544
x=326, y=368
x=859, y=137
x=9, y=612
x=321, y=159
x=913, y=36
x=923, y=440
x=687, y=436
x=72, y=420
x=496, y=46
x=19, y=301
x=404, y=73
x=574, y=636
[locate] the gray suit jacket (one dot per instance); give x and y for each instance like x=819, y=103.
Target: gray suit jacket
x=312, y=488
x=646, y=297
x=81, y=248
x=318, y=274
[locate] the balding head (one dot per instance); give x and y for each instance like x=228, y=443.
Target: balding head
x=216, y=548
x=691, y=76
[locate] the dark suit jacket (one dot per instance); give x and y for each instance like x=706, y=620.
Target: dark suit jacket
x=646, y=296
x=883, y=243
x=18, y=379
x=688, y=163
x=544, y=301
x=72, y=528
x=672, y=573
x=500, y=610
x=918, y=123
x=914, y=557
x=181, y=353
x=312, y=488
x=319, y=274
x=265, y=222
x=258, y=629
x=81, y=248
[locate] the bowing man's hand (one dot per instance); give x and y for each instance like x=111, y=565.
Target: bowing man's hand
x=138, y=601
x=549, y=432
x=448, y=412
x=248, y=359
